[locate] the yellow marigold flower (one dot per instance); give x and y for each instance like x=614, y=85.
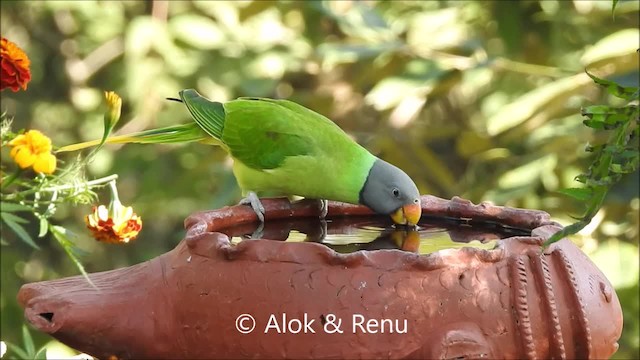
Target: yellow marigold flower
x=14, y=66
x=116, y=225
x=33, y=148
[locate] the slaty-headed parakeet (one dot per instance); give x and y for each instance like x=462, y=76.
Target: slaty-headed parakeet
x=280, y=146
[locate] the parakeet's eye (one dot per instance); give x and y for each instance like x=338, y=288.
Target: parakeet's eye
x=396, y=192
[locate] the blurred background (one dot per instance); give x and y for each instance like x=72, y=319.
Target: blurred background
x=479, y=99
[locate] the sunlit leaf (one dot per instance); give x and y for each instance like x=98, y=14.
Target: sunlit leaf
x=528, y=173
x=443, y=26
x=198, y=31
x=334, y=54
x=582, y=194
x=612, y=50
x=361, y=21
x=390, y=91
x=534, y=102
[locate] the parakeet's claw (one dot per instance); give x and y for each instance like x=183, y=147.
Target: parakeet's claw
x=253, y=200
x=258, y=233
x=324, y=208
x=323, y=229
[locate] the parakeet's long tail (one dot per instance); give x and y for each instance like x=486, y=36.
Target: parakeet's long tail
x=171, y=134
x=209, y=115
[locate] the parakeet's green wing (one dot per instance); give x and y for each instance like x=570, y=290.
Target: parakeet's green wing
x=209, y=115
x=262, y=134
x=275, y=141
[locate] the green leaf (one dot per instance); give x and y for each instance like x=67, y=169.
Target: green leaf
x=616, y=50
x=613, y=6
x=27, y=340
x=19, y=230
x=60, y=234
x=626, y=168
x=201, y=32
x=603, y=117
x=11, y=207
x=582, y=194
x=44, y=227
x=568, y=230
x=536, y=102
x=523, y=175
x=21, y=354
x=593, y=148
x=14, y=218
x=608, y=110
x=623, y=92
x=335, y=54
x=581, y=178
x=41, y=354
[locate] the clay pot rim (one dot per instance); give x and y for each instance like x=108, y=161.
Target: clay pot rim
x=207, y=224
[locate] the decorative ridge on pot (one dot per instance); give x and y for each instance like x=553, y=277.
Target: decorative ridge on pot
x=511, y=302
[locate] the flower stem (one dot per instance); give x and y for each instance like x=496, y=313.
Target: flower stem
x=114, y=191
x=95, y=182
x=88, y=184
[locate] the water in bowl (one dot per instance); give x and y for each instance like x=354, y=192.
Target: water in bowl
x=354, y=233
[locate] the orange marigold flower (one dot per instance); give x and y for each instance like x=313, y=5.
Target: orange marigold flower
x=33, y=148
x=14, y=66
x=116, y=225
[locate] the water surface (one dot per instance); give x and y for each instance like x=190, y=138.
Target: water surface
x=354, y=233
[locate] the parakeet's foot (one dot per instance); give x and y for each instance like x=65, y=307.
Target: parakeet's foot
x=253, y=200
x=318, y=234
x=323, y=229
x=324, y=208
x=258, y=233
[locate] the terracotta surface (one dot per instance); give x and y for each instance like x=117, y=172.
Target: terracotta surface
x=509, y=302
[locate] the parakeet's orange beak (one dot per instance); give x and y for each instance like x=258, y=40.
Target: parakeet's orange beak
x=407, y=215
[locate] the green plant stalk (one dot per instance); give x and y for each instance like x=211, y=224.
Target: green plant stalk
x=604, y=161
x=595, y=203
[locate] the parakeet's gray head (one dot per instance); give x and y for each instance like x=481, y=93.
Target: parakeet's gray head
x=388, y=190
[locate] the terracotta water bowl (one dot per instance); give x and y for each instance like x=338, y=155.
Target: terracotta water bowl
x=211, y=298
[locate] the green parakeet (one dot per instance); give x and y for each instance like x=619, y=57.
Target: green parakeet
x=280, y=146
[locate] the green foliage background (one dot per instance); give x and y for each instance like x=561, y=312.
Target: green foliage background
x=479, y=99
